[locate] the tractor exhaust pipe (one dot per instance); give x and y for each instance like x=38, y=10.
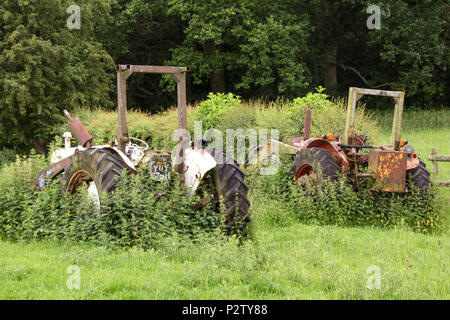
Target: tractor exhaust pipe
x=79, y=131
x=307, y=130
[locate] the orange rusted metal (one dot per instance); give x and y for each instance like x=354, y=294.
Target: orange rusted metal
x=389, y=168
x=79, y=131
x=332, y=146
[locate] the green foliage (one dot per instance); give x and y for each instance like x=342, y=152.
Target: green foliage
x=273, y=55
x=329, y=116
x=211, y=111
x=339, y=204
x=142, y=32
x=414, y=42
x=317, y=100
x=6, y=156
x=140, y=212
x=157, y=129
x=46, y=67
x=261, y=45
x=17, y=193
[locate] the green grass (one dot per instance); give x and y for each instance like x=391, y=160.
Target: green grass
x=294, y=262
x=284, y=260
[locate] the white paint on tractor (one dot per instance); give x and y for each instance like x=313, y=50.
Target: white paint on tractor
x=93, y=194
x=197, y=163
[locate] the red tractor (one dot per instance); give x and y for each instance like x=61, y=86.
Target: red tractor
x=391, y=165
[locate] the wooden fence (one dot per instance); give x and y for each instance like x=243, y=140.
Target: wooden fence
x=435, y=158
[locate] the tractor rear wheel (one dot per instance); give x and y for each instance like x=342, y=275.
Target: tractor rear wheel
x=230, y=191
x=316, y=163
x=97, y=169
x=419, y=177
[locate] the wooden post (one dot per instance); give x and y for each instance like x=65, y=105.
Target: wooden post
x=350, y=115
x=435, y=158
x=397, y=122
x=123, y=135
x=180, y=78
x=435, y=163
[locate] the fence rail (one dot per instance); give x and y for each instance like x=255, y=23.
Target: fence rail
x=435, y=158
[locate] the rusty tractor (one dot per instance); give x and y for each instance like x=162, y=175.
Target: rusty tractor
x=393, y=167
x=98, y=167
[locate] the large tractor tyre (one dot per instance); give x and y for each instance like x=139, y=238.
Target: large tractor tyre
x=230, y=192
x=419, y=177
x=97, y=169
x=316, y=163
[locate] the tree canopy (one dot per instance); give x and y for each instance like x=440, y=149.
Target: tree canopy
x=263, y=48
x=46, y=67
x=253, y=48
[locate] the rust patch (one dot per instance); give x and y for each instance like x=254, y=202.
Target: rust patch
x=389, y=168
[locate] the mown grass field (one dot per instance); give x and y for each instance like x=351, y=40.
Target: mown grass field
x=286, y=260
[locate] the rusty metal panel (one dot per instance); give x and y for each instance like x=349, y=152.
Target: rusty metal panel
x=51, y=172
x=389, y=168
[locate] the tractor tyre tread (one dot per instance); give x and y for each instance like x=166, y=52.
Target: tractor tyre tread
x=232, y=191
x=104, y=166
x=419, y=177
x=322, y=160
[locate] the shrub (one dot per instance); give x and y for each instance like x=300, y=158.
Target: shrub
x=328, y=116
x=211, y=110
x=140, y=212
x=156, y=129
x=7, y=156
x=339, y=204
x=288, y=116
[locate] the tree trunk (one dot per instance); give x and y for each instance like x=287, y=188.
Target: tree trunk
x=330, y=76
x=331, y=48
x=217, y=80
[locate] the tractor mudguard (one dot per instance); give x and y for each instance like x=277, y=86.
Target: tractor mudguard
x=61, y=158
x=122, y=155
x=197, y=163
x=335, y=150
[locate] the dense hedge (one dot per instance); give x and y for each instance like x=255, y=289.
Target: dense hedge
x=227, y=111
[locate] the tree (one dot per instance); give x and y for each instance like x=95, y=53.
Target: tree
x=413, y=48
x=142, y=32
x=409, y=52
x=46, y=67
x=257, y=46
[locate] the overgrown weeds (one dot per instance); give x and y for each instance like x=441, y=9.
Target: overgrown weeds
x=341, y=205
x=140, y=212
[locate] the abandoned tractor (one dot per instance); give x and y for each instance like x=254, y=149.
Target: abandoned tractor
x=393, y=167
x=98, y=167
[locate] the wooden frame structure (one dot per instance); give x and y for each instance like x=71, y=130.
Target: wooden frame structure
x=355, y=94
x=435, y=158
x=124, y=71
